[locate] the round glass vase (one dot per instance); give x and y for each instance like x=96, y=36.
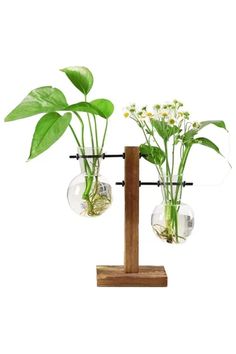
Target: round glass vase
x=172, y=221
x=89, y=194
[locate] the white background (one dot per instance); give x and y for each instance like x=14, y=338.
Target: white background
x=141, y=51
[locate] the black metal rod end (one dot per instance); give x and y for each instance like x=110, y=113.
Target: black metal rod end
x=74, y=156
x=120, y=183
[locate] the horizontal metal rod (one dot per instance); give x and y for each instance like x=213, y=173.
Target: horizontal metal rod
x=158, y=183
x=103, y=156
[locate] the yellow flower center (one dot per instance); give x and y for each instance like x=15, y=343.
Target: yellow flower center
x=164, y=114
x=126, y=114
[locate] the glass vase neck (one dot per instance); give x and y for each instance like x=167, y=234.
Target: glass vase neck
x=90, y=165
x=171, y=187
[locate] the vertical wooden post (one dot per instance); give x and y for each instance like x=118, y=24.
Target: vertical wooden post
x=131, y=274
x=131, y=262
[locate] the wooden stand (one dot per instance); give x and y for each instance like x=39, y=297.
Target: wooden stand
x=131, y=274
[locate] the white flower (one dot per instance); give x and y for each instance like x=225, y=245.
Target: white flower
x=163, y=114
x=171, y=121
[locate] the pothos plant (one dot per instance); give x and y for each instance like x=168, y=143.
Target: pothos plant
x=169, y=137
x=57, y=119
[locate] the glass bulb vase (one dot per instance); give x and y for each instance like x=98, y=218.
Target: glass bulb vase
x=172, y=221
x=89, y=194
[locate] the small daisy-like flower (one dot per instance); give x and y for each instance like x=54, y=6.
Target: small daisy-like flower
x=126, y=114
x=164, y=114
x=171, y=121
x=149, y=114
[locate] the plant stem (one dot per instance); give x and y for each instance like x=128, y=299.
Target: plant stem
x=161, y=174
x=91, y=131
x=82, y=128
x=181, y=170
x=96, y=133
x=104, y=136
x=75, y=136
x=86, y=164
x=159, y=168
x=168, y=173
x=90, y=127
x=173, y=156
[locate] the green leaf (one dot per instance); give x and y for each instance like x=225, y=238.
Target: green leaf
x=41, y=100
x=101, y=107
x=83, y=107
x=208, y=143
x=81, y=77
x=218, y=123
x=189, y=135
x=164, y=129
x=104, y=106
x=152, y=154
x=48, y=130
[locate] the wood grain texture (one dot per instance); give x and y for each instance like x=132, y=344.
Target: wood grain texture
x=131, y=260
x=148, y=276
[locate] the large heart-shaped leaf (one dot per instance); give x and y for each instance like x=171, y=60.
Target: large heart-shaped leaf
x=164, y=129
x=81, y=77
x=83, y=107
x=208, y=143
x=152, y=154
x=101, y=107
x=48, y=130
x=41, y=100
x=104, y=106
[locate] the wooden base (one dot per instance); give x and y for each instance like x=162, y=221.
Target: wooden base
x=148, y=276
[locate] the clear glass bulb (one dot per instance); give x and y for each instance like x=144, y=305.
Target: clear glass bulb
x=89, y=194
x=172, y=221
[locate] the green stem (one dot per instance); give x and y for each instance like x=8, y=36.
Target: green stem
x=90, y=127
x=86, y=164
x=169, y=187
x=158, y=168
x=75, y=136
x=96, y=133
x=82, y=128
x=181, y=170
x=91, y=132
x=104, y=136
x=88, y=186
x=161, y=174
x=173, y=156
